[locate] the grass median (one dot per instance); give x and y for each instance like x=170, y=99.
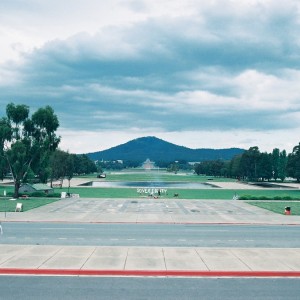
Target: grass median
x=93, y=192
x=278, y=206
x=8, y=205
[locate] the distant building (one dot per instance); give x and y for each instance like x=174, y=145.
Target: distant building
x=33, y=188
x=148, y=164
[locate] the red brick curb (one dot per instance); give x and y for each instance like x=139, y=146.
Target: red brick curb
x=148, y=273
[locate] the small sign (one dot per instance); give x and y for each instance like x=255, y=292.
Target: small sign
x=19, y=207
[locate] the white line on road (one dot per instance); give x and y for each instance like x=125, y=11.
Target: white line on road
x=62, y=228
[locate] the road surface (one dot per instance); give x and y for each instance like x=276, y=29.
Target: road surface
x=172, y=235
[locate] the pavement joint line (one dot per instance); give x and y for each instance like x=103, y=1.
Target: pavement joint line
x=126, y=259
x=49, y=258
x=89, y=257
x=163, y=254
x=202, y=259
x=147, y=273
x=235, y=255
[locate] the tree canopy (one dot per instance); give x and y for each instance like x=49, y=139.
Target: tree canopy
x=25, y=140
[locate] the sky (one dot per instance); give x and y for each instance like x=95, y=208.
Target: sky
x=201, y=74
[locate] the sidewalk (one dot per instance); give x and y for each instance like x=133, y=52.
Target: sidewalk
x=148, y=261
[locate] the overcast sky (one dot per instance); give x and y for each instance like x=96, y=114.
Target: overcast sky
x=202, y=74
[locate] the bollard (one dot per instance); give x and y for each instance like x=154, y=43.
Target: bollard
x=287, y=210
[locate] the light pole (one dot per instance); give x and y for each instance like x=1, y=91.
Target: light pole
x=4, y=194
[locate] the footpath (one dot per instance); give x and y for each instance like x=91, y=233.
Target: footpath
x=150, y=261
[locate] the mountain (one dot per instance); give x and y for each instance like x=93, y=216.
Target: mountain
x=159, y=150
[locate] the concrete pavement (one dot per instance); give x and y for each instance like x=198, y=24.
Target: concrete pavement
x=145, y=261
x=151, y=211
x=150, y=261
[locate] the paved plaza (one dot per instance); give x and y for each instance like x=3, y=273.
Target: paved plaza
x=152, y=211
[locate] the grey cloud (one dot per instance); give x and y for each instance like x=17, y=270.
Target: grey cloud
x=133, y=75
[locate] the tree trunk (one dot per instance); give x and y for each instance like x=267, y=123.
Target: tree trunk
x=17, y=186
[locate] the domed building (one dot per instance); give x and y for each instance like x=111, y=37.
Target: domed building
x=148, y=164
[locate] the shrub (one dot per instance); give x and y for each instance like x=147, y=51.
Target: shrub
x=53, y=195
x=244, y=198
x=42, y=195
x=38, y=194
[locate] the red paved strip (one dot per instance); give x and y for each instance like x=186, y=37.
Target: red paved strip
x=145, y=273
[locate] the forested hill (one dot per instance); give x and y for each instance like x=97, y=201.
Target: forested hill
x=159, y=150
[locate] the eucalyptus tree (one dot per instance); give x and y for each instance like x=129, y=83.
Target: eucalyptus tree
x=249, y=163
x=69, y=168
x=275, y=163
x=57, y=165
x=264, y=170
x=294, y=163
x=25, y=139
x=282, y=165
x=235, y=167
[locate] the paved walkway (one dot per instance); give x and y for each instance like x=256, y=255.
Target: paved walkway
x=150, y=261
x=87, y=260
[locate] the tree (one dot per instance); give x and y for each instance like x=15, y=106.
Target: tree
x=265, y=166
x=174, y=167
x=83, y=164
x=25, y=139
x=57, y=165
x=282, y=165
x=69, y=168
x=249, y=163
x=235, y=167
x=294, y=163
x=275, y=163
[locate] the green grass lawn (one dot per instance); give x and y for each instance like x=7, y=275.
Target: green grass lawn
x=89, y=192
x=30, y=203
x=278, y=206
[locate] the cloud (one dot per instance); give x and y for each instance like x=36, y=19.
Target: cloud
x=158, y=68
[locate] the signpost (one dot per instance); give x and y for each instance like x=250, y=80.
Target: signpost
x=4, y=193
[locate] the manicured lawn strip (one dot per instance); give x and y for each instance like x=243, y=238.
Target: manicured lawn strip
x=278, y=206
x=88, y=192
x=28, y=204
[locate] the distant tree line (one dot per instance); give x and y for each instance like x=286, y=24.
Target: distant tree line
x=253, y=165
x=64, y=165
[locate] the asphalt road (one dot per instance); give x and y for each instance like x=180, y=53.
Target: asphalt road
x=271, y=236
x=14, y=287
